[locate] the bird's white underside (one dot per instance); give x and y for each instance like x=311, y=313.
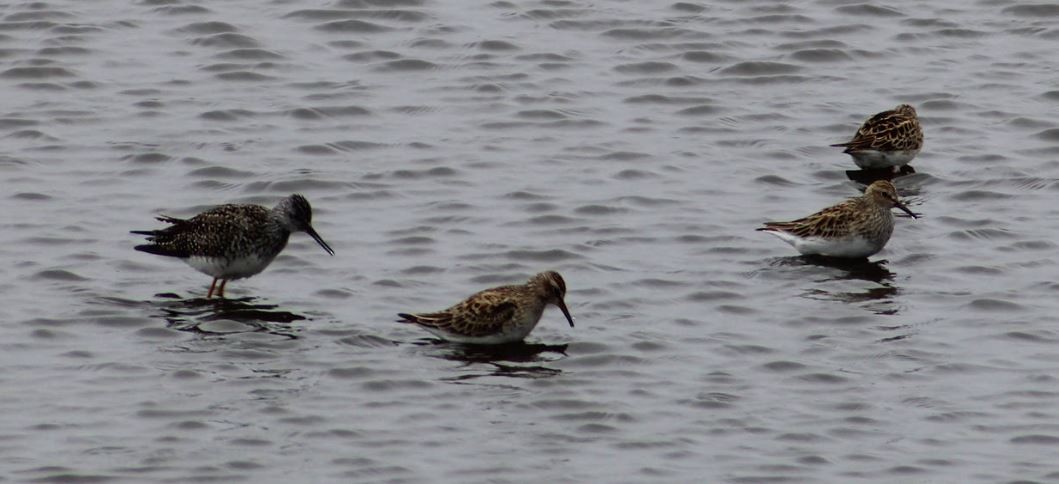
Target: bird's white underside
x=873, y=159
x=852, y=247
x=221, y=268
x=492, y=339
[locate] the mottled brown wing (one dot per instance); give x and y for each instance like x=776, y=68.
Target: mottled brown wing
x=211, y=233
x=829, y=222
x=886, y=131
x=481, y=314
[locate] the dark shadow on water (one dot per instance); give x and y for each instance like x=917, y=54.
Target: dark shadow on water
x=195, y=314
x=869, y=176
x=879, y=297
x=859, y=269
x=862, y=269
x=521, y=360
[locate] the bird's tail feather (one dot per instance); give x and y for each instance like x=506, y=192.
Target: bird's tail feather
x=161, y=250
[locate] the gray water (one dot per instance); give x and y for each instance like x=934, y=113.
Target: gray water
x=451, y=146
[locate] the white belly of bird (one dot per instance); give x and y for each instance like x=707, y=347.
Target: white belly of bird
x=850, y=247
x=221, y=268
x=870, y=159
x=492, y=339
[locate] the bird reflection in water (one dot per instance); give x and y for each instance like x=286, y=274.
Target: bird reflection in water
x=869, y=176
x=851, y=269
x=201, y=315
x=519, y=360
x=880, y=295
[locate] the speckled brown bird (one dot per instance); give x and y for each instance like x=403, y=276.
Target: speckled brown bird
x=856, y=228
x=888, y=139
x=499, y=315
x=232, y=241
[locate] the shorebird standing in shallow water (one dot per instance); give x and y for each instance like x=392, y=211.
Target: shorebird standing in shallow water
x=856, y=228
x=888, y=139
x=499, y=315
x=232, y=241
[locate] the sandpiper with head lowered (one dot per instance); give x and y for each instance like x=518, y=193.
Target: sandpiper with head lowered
x=232, y=241
x=856, y=228
x=888, y=139
x=504, y=314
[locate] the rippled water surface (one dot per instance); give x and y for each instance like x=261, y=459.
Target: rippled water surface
x=449, y=146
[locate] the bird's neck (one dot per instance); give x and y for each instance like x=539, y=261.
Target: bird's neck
x=280, y=220
x=279, y=227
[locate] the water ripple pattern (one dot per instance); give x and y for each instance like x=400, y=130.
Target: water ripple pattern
x=447, y=147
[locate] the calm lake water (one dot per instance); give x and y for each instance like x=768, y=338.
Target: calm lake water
x=448, y=146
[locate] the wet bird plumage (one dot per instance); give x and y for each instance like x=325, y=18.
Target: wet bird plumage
x=232, y=241
x=498, y=315
x=887, y=139
x=856, y=228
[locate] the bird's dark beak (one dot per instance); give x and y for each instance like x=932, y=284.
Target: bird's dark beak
x=566, y=312
x=312, y=233
x=898, y=204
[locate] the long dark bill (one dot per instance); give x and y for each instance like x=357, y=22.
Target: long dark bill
x=566, y=312
x=905, y=209
x=312, y=233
